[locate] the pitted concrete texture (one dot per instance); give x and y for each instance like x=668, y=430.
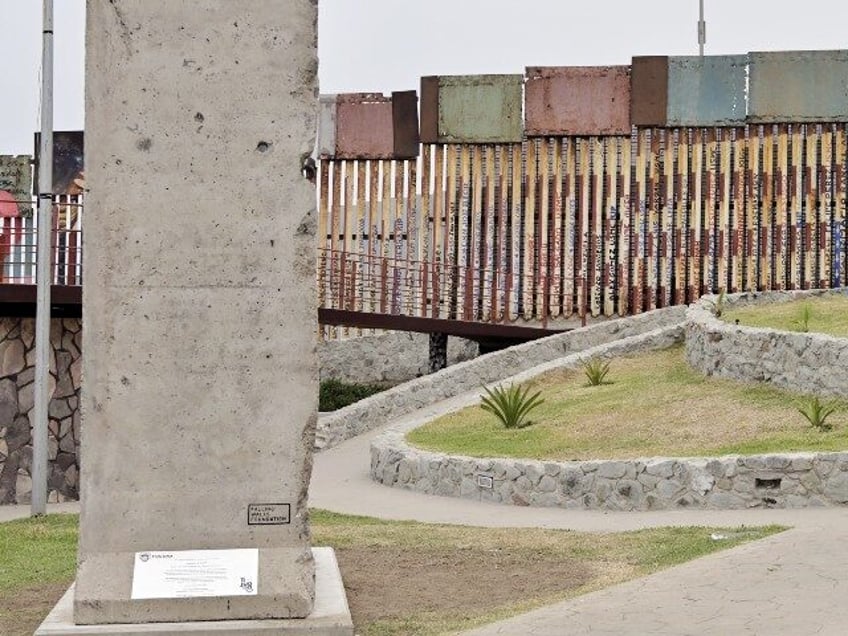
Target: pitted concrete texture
x=330, y=615
x=804, y=362
x=200, y=374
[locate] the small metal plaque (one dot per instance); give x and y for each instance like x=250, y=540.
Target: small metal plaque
x=485, y=481
x=268, y=514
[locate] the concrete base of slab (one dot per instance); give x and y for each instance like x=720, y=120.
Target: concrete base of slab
x=330, y=615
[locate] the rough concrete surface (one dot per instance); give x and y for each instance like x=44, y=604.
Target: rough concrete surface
x=199, y=301
x=330, y=615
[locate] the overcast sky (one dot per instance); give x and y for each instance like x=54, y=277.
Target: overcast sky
x=384, y=45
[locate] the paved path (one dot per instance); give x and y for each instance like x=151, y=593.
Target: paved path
x=791, y=584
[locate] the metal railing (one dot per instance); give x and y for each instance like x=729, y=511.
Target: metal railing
x=18, y=244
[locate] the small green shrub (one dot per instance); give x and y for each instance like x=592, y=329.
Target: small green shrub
x=511, y=404
x=596, y=370
x=817, y=413
x=334, y=394
x=802, y=322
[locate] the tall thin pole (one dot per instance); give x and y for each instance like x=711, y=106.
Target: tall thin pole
x=702, y=29
x=43, y=278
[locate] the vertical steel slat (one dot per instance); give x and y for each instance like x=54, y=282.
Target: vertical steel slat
x=626, y=204
x=611, y=167
x=584, y=232
x=516, y=220
x=723, y=202
x=374, y=218
x=555, y=242
x=825, y=196
x=462, y=229
x=427, y=228
x=570, y=211
x=781, y=232
x=696, y=189
x=528, y=185
x=541, y=215
x=681, y=234
x=738, y=213
x=669, y=226
x=841, y=178
x=795, y=207
x=477, y=236
x=752, y=179
x=413, y=257
x=814, y=213
x=496, y=254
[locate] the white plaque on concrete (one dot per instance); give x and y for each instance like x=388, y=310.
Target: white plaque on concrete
x=195, y=573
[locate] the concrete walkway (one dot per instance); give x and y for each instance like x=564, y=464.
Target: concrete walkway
x=790, y=584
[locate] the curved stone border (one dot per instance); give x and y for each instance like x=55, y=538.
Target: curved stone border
x=382, y=408
x=778, y=480
x=803, y=362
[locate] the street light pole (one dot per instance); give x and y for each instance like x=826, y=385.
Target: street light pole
x=43, y=278
x=702, y=29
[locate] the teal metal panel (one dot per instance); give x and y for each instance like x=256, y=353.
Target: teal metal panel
x=707, y=91
x=480, y=108
x=798, y=86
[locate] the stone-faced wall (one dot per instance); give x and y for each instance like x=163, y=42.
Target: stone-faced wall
x=17, y=386
x=805, y=362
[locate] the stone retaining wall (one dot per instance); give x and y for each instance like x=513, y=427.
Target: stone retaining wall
x=382, y=408
x=392, y=357
x=803, y=362
x=17, y=375
x=777, y=480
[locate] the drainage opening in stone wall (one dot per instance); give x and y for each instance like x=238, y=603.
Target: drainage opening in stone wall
x=486, y=481
x=767, y=484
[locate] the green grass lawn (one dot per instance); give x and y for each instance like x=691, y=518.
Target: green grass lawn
x=401, y=577
x=653, y=405
x=827, y=314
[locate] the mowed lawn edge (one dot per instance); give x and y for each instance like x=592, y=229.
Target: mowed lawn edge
x=652, y=405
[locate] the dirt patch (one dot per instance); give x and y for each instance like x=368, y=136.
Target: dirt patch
x=22, y=612
x=395, y=583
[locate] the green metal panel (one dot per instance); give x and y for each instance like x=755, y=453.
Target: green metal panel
x=480, y=108
x=798, y=86
x=707, y=91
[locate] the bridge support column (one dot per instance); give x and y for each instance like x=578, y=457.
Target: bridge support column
x=438, y=351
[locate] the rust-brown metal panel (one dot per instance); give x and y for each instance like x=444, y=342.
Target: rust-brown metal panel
x=405, y=124
x=430, y=110
x=364, y=126
x=578, y=100
x=649, y=90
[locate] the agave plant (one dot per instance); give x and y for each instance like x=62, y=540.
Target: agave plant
x=802, y=322
x=511, y=404
x=596, y=370
x=817, y=413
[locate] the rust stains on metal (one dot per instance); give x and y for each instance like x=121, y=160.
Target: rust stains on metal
x=430, y=110
x=649, y=90
x=579, y=100
x=405, y=124
x=364, y=126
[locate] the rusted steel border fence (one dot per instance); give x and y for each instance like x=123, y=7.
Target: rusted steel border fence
x=555, y=227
